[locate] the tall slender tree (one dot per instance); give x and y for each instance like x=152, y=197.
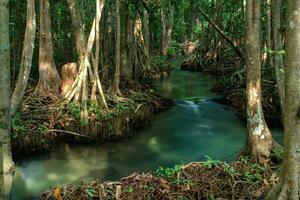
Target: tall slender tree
x=116, y=84
x=27, y=55
x=259, y=138
x=288, y=187
x=278, y=54
x=6, y=163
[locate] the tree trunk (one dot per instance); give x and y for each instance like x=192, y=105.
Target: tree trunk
x=288, y=187
x=169, y=28
x=49, y=80
x=163, y=31
x=26, y=61
x=278, y=54
x=78, y=28
x=146, y=36
x=268, y=40
x=259, y=138
x=6, y=163
x=116, y=84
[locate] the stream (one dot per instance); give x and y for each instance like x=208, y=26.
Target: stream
x=194, y=127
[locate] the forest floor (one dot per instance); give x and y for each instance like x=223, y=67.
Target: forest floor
x=44, y=122
x=211, y=179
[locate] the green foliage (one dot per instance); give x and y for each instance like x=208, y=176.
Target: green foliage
x=90, y=192
x=174, y=49
x=129, y=189
x=210, y=162
x=74, y=109
x=230, y=169
x=168, y=172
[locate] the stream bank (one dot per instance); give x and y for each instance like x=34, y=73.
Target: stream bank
x=186, y=132
x=44, y=123
x=230, y=82
x=211, y=179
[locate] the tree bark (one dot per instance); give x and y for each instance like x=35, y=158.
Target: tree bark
x=268, y=41
x=163, y=31
x=6, y=163
x=288, y=187
x=169, y=29
x=116, y=84
x=26, y=61
x=49, y=80
x=147, y=36
x=78, y=28
x=278, y=47
x=259, y=138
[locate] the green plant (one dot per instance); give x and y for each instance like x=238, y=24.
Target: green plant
x=168, y=172
x=229, y=169
x=210, y=162
x=129, y=189
x=91, y=192
x=252, y=177
x=74, y=109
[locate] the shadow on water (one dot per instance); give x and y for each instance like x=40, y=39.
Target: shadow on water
x=193, y=128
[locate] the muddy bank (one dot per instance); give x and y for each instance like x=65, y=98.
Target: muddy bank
x=211, y=179
x=39, y=128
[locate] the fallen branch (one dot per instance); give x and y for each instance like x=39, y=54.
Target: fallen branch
x=68, y=132
x=235, y=47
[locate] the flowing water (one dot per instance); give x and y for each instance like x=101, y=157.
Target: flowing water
x=194, y=127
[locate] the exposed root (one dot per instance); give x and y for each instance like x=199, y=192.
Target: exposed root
x=192, y=181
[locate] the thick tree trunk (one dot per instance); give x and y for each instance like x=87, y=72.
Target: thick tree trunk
x=259, y=137
x=116, y=84
x=288, y=187
x=26, y=61
x=6, y=163
x=49, y=80
x=278, y=47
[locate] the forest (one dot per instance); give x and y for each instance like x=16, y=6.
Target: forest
x=150, y=99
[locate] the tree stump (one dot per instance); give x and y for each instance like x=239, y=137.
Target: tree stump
x=68, y=76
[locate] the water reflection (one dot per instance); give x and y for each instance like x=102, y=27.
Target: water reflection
x=194, y=127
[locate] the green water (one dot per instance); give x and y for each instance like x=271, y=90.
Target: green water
x=193, y=128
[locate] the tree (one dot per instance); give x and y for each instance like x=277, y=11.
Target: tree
x=288, y=187
x=49, y=80
x=259, y=138
x=116, y=84
x=80, y=87
x=6, y=163
x=26, y=61
x=278, y=54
